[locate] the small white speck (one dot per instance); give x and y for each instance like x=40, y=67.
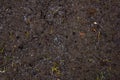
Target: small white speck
x=2, y=71
x=25, y=18
x=31, y=55
x=95, y=22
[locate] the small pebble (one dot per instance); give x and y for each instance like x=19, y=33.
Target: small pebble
x=1, y=27
x=95, y=22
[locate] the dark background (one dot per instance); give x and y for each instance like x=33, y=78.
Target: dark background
x=59, y=39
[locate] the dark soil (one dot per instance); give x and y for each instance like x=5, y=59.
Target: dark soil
x=59, y=39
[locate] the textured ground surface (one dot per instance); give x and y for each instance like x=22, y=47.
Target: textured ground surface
x=59, y=39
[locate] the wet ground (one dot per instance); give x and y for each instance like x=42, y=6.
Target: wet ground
x=59, y=39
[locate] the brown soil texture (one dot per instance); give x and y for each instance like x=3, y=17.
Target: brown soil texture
x=59, y=39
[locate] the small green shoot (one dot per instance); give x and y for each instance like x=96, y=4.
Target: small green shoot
x=1, y=50
x=27, y=34
x=55, y=69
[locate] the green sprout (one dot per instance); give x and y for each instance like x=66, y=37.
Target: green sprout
x=1, y=50
x=11, y=35
x=27, y=34
x=100, y=76
x=55, y=69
